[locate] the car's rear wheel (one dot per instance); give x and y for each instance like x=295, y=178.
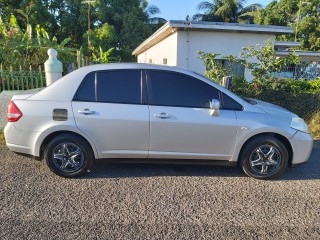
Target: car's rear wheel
x=264, y=157
x=68, y=155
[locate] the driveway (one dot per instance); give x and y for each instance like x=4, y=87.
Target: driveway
x=157, y=202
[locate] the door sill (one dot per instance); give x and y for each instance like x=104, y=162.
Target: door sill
x=172, y=161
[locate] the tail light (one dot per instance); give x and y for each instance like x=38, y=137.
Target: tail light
x=13, y=112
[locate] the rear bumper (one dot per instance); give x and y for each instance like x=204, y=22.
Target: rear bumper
x=19, y=149
x=302, y=144
x=20, y=141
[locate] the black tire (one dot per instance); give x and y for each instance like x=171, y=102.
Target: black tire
x=264, y=157
x=68, y=155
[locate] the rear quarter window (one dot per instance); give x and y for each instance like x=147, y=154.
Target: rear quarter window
x=86, y=91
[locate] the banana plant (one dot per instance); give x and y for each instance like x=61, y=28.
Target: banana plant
x=102, y=57
x=27, y=47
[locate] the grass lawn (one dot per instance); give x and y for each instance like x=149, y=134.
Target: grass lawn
x=2, y=141
x=314, y=126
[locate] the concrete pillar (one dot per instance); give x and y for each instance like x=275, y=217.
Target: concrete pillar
x=52, y=67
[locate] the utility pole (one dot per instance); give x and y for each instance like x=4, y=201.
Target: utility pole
x=89, y=2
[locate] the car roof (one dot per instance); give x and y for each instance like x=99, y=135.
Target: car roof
x=108, y=66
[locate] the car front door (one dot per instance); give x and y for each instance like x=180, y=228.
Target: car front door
x=110, y=108
x=180, y=122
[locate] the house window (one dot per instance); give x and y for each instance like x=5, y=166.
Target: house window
x=236, y=69
x=165, y=61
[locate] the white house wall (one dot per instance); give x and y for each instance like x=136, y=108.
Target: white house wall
x=224, y=43
x=165, y=49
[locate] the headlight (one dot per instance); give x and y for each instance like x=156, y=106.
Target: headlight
x=299, y=124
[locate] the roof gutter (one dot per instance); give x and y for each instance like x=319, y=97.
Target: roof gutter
x=172, y=26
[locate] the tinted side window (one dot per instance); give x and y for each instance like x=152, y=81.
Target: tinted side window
x=113, y=86
x=229, y=104
x=86, y=91
x=123, y=86
x=179, y=90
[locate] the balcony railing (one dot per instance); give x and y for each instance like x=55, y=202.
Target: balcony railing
x=306, y=71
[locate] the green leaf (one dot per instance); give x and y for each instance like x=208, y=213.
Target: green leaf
x=65, y=42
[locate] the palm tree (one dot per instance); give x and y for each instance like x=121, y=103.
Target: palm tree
x=227, y=11
x=209, y=11
x=151, y=10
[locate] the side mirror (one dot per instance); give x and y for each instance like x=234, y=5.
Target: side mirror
x=215, y=107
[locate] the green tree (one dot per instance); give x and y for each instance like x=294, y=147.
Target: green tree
x=25, y=47
x=101, y=40
x=150, y=11
x=227, y=11
x=131, y=22
x=260, y=61
x=26, y=12
x=278, y=13
x=304, y=22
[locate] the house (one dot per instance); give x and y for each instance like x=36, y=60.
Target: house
x=309, y=68
x=176, y=43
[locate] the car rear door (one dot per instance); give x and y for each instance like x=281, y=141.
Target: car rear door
x=180, y=122
x=110, y=108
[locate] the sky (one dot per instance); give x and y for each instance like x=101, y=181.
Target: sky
x=178, y=10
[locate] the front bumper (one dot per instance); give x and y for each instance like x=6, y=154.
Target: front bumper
x=302, y=144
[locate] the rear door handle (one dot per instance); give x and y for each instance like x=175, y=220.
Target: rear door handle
x=162, y=115
x=86, y=112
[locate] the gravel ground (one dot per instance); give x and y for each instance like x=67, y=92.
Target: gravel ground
x=157, y=202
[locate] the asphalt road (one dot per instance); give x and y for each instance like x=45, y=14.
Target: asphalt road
x=157, y=202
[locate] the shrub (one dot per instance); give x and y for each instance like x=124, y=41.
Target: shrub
x=261, y=61
x=286, y=94
x=215, y=71
x=314, y=125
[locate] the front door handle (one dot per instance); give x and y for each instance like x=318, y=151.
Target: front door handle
x=162, y=115
x=86, y=112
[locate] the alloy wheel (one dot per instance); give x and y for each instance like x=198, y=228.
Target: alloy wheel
x=68, y=157
x=265, y=159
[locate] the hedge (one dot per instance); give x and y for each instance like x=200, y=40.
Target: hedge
x=303, y=104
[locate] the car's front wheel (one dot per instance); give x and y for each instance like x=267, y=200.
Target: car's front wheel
x=264, y=157
x=68, y=155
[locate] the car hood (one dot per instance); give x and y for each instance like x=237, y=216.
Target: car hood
x=273, y=109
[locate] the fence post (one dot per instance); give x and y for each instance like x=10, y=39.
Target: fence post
x=226, y=82
x=52, y=67
x=40, y=76
x=78, y=59
x=12, y=79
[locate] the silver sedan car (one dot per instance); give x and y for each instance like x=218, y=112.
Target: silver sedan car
x=152, y=113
